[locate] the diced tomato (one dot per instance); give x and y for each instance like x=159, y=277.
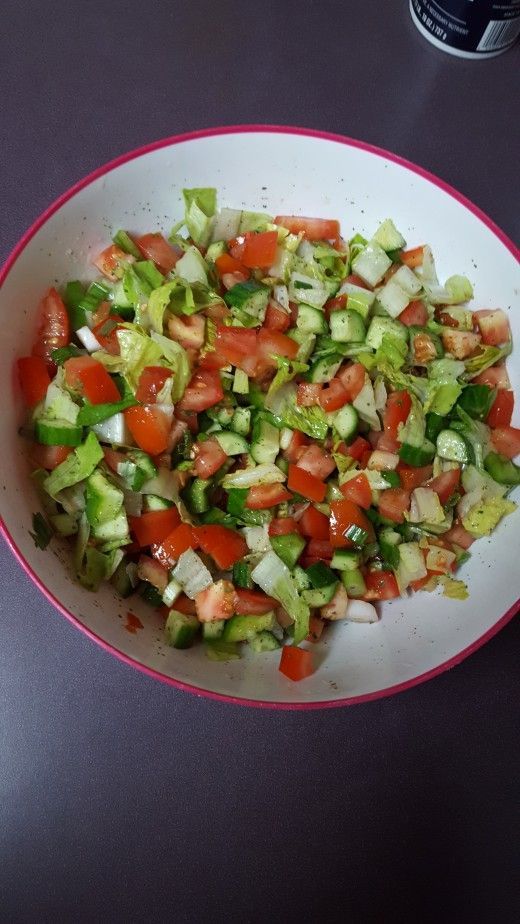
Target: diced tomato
x=188, y=417
x=253, y=602
x=415, y=314
x=460, y=343
x=506, y=441
x=106, y=334
x=494, y=377
x=412, y=477
x=357, y=448
x=177, y=431
x=149, y=426
x=302, y=482
x=216, y=602
x=260, y=250
x=229, y=264
x=494, y=326
x=34, y=378
x=314, y=524
x=87, y=375
x=339, y=303
x=229, y=280
x=113, y=458
x=236, y=245
x=182, y=538
x=276, y=318
x=233, y=344
x=459, y=536
x=314, y=229
x=320, y=549
x=224, y=545
x=189, y=332
x=381, y=585
x=501, y=409
x=357, y=281
x=315, y=460
x=152, y=527
x=296, y=446
x=204, y=391
x=316, y=627
x=296, y=663
x=155, y=247
x=217, y=311
x=110, y=259
x=344, y=514
x=151, y=381
x=53, y=328
x=308, y=394
x=445, y=484
x=282, y=526
x=333, y=396
x=358, y=490
x=209, y=458
x=413, y=257
x=387, y=443
x=396, y=412
x=393, y=503
x=263, y=496
x=272, y=342
x=154, y=572
x=183, y=604
x=352, y=378
x=48, y=457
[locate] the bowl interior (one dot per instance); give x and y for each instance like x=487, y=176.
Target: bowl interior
x=281, y=173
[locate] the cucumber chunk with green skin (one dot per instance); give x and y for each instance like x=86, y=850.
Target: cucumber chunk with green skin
x=345, y=560
x=320, y=596
x=242, y=575
x=347, y=326
x=241, y=628
x=311, y=320
x=181, y=629
x=263, y=641
x=213, y=630
x=57, y=433
x=320, y=575
x=232, y=443
x=265, y=441
x=196, y=497
x=219, y=650
x=345, y=421
x=354, y=583
x=288, y=547
x=324, y=369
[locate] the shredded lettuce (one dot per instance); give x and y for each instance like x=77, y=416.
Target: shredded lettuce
x=76, y=467
x=192, y=267
x=485, y=515
x=157, y=304
x=460, y=289
x=393, y=350
x=199, y=208
x=310, y=420
x=413, y=431
x=455, y=590
x=475, y=432
x=287, y=370
x=488, y=357
x=176, y=358
x=274, y=577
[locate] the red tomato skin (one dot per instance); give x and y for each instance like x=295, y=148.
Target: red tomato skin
x=151, y=381
x=260, y=250
x=412, y=477
x=333, y=396
x=358, y=490
x=296, y=663
x=276, y=318
x=152, y=527
x=343, y=514
x=445, y=484
x=357, y=448
x=381, y=585
x=263, y=496
x=414, y=315
x=150, y=428
x=210, y=457
x=204, y=391
x=302, y=482
x=506, y=441
x=88, y=375
x=48, y=457
x=253, y=602
x=314, y=229
x=396, y=412
x=282, y=526
x=34, y=378
x=53, y=329
x=352, y=378
x=314, y=524
x=155, y=247
x=501, y=409
x=225, y=546
x=393, y=503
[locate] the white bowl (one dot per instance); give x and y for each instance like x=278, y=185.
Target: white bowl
x=283, y=170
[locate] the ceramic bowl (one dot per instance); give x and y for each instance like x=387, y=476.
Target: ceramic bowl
x=282, y=170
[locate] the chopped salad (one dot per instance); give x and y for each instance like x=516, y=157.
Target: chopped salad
x=261, y=427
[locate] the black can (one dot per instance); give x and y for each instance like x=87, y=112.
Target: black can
x=468, y=28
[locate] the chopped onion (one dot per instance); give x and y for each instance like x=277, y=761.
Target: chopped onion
x=383, y=461
x=266, y=473
x=286, y=436
x=88, y=339
x=281, y=295
x=338, y=606
x=226, y=224
x=468, y=501
x=257, y=538
x=192, y=574
x=380, y=394
x=173, y=589
x=114, y=430
x=361, y=611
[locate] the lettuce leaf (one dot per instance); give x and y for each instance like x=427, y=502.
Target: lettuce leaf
x=176, y=358
x=274, y=577
x=200, y=204
x=157, y=304
x=287, y=370
x=76, y=467
x=488, y=357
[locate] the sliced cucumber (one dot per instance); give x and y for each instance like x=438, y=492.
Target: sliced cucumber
x=324, y=369
x=241, y=628
x=452, y=446
x=240, y=382
x=345, y=421
x=181, y=629
x=388, y=236
x=311, y=320
x=345, y=560
x=380, y=327
x=263, y=641
x=320, y=596
x=354, y=583
x=232, y=443
x=212, y=630
x=241, y=421
x=265, y=443
x=154, y=502
x=57, y=433
x=347, y=326
x=305, y=341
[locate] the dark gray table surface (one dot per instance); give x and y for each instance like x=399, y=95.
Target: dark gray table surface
x=122, y=799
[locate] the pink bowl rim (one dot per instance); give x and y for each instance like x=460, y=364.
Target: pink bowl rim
x=207, y=133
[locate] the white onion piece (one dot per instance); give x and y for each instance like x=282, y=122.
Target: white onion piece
x=266, y=473
x=88, y=339
x=361, y=611
x=192, y=574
